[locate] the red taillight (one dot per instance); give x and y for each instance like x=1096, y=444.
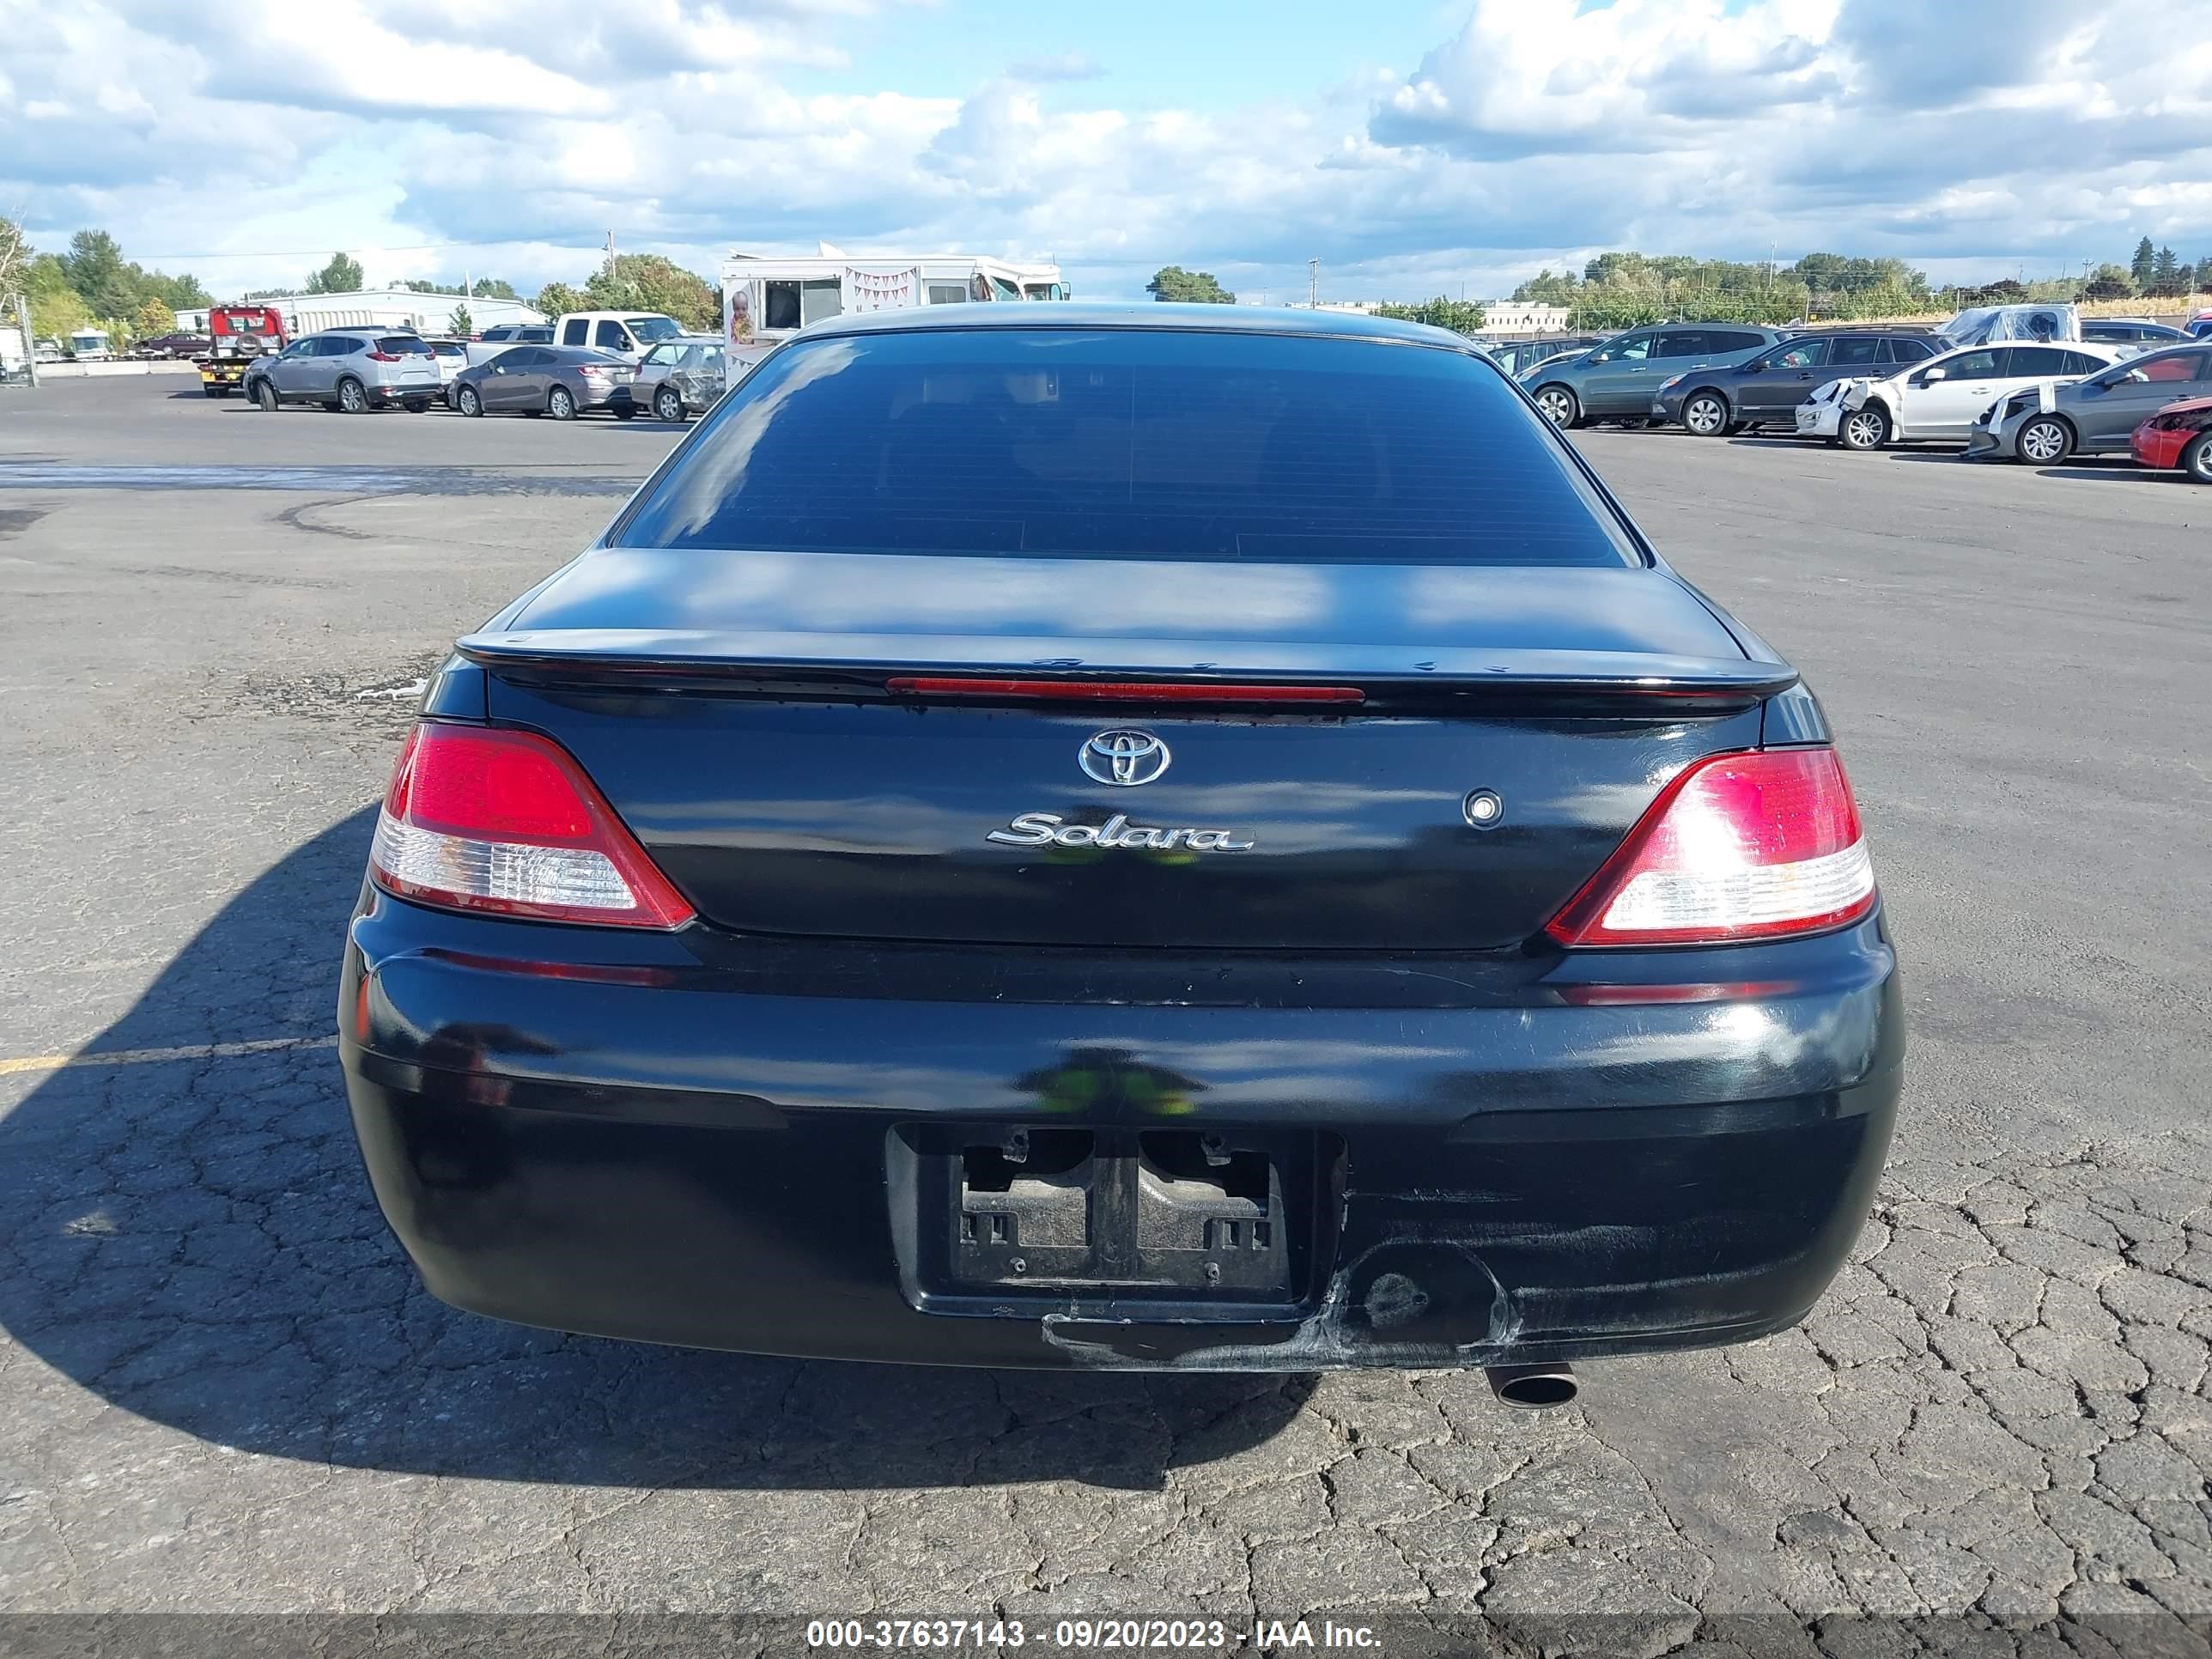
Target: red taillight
x=1737, y=847
x=382, y=357
x=506, y=822
x=1121, y=690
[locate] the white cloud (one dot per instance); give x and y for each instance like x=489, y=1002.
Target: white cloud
x=2031, y=131
x=1059, y=66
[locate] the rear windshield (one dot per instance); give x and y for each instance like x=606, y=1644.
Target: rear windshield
x=403, y=345
x=1131, y=443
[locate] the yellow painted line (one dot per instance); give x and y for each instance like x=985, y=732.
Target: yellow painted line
x=151, y=1056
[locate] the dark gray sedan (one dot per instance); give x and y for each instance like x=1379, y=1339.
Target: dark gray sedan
x=2044, y=424
x=562, y=381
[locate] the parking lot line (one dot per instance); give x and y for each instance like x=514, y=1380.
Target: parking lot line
x=149, y=1056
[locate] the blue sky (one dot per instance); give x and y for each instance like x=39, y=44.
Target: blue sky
x=1413, y=148
x=1148, y=54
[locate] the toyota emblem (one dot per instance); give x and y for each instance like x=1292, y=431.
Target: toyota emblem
x=1124, y=758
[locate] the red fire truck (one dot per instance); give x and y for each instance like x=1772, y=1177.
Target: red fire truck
x=237, y=335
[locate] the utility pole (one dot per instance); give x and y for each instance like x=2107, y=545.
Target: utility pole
x=1313, y=285
x=611, y=256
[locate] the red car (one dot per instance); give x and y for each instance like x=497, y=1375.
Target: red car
x=2178, y=436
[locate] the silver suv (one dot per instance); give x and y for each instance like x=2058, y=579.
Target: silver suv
x=682, y=374
x=350, y=369
x=1620, y=378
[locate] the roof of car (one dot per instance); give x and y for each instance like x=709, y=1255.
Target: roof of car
x=1099, y=314
x=2104, y=349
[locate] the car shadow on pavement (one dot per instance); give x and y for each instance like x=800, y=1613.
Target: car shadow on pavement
x=2120, y=469
x=186, y=1232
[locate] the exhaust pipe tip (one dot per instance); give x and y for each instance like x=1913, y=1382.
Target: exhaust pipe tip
x=1533, y=1388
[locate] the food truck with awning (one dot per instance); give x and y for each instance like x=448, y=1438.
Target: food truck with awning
x=767, y=298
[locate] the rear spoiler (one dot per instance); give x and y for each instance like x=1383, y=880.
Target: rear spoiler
x=865, y=666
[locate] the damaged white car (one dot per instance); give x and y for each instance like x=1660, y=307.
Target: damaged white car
x=1940, y=400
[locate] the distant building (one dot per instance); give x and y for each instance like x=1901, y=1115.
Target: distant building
x=377, y=308
x=1525, y=317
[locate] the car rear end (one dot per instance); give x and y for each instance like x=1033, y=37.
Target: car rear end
x=398, y=368
x=451, y=357
x=1123, y=847
x=600, y=381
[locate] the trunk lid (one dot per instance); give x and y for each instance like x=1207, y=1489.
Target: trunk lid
x=736, y=710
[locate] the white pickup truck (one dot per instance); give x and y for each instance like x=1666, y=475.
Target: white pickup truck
x=628, y=334
x=493, y=341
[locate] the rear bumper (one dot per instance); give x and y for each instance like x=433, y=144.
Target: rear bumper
x=617, y=1136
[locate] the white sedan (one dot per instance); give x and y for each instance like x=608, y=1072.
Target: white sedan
x=1939, y=399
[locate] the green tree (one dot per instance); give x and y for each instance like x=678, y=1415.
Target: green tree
x=2145, y=262
x=154, y=317
x=14, y=254
x=491, y=287
x=2165, y=278
x=1190, y=287
x=93, y=266
x=56, y=313
x=343, y=275
x=2110, y=281
x=184, y=293
x=646, y=281
x=555, y=299
x=1546, y=289
x=460, y=322
x=1461, y=316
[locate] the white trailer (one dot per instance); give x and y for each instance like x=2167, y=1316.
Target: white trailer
x=767, y=298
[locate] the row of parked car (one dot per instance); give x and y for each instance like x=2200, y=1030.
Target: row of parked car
x=2034, y=384
x=523, y=369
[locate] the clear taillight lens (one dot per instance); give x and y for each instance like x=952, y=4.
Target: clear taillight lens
x=507, y=823
x=1737, y=847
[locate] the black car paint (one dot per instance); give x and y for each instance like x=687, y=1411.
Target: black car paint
x=709, y=1136
x=873, y=826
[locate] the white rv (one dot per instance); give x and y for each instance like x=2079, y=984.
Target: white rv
x=767, y=298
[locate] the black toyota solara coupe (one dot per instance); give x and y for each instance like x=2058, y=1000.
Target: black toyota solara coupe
x=1123, y=837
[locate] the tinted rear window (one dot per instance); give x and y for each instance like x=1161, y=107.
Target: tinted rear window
x=1131, y=443
x=405, y=345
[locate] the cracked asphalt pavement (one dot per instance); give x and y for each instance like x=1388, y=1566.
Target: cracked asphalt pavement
x=222, y=1390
